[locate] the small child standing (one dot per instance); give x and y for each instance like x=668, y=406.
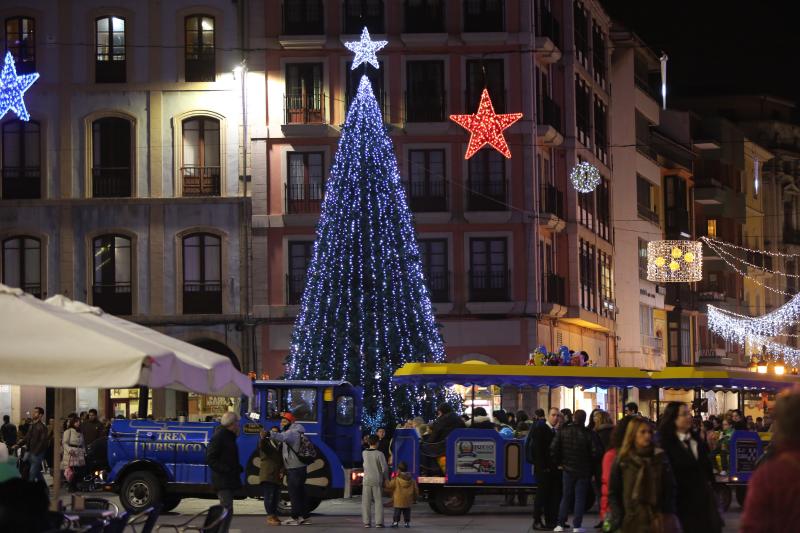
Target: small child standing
x=376, y=471
x=404, y=493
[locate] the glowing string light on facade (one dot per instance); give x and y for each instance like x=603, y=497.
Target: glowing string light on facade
x=12, y=89
x=674, y=261
x=584, y=177
x=486, y=127
x=365, y=50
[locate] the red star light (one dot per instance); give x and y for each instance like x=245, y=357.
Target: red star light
x=486, y=127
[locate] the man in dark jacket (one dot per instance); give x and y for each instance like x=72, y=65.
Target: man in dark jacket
x=574, y=451
x=446, y=421
x=92, y=429
x=37, y=442
x=222, y=457
x=480, y=419
x=548, y=477
x=8, y=432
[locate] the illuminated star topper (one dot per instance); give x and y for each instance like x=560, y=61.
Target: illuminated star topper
x=12, y=89
x=365, y=50
x=486, y=127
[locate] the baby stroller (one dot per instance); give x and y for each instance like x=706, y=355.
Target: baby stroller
x=96, y=466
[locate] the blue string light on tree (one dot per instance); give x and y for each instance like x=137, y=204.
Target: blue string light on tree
x=584, y=177
x=12, y=89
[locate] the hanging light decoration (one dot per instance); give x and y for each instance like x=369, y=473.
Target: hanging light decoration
x=674, y=261
x=762, y=366
x=753, y=366
x=780, y=367
x=584, y=177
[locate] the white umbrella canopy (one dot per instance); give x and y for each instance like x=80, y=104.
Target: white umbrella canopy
x=222, y=378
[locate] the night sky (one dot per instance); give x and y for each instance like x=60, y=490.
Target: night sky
x=719, y=47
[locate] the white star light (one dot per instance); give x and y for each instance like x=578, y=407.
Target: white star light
x=365, y=50
x=12, y=89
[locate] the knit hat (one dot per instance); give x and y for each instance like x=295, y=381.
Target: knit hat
x=288, y=416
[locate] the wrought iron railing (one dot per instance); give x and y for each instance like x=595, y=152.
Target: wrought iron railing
x=201, y=181
x=304, y=198
x=21, y=183
x=489, y=286
x=111, y=182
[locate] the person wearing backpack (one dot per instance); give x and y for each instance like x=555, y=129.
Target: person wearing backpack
x=292, y=435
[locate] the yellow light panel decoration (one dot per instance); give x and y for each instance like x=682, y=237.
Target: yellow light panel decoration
x=674, y=261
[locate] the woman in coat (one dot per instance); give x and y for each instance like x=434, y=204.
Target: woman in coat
x=641, y=491
x=73, y=456
x=270, y=473
x=694, y=477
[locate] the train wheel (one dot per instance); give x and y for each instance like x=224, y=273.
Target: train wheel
x=454, y=501
x=741, y=494
x=432, y=503
x=171, y=501
x=724, y=496
x=139, y=491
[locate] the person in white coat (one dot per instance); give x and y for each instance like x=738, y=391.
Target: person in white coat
x=73, y=457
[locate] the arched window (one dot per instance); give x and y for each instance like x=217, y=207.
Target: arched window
x=111, y=274
x=111, y=158
x=22, y=171
x=202, y=274
x=199, y=51
x=201, y=157
x=21, y=42
x=22, y=264
x=110, y=56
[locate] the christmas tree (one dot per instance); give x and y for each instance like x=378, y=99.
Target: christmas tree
x=365, y=310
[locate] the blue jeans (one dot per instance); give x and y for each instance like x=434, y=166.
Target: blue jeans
x=272, y=492
x=35, y=473
x=574, y=488
x=296, y=481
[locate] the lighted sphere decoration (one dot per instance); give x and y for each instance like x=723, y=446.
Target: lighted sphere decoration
x=674, y=261
x=584, y=177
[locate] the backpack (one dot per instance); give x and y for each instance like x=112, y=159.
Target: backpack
x=306, y=452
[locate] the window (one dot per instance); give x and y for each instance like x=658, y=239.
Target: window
x=603, y=195
x=21, y=42
x=547, y=25
x=22, y=171
x=110, y=61
x=643, y=136
x=601, y=130
x=642, y=259
x=433, y=253
x=646, y=320
x=201, y=157
x=305, y=100
x=607, y=308
x=485, y=73
x=676, y=212
x=487, y=181
x=425, y=94
x=588, y=276
x=299, y=259
x=581, y=32
x=303, y=17
x=583, y=99
x=202, y=276
x=598, y=54
x=426, y=189
x=111, y=158
x=488, y=270
x=360, y=13
x=305, y=187
x=375, y=77
x=345, y=411
x=111, y=278
x=199, y=48
x=646, y=200
x=711, y=227
x=483, y=15
x=302, y=403
x=273, y=411
x=424, y=16
x=22, y=264
x=586, y=209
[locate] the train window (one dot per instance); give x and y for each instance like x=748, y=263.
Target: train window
x=273, y=404
x=302, y=403
x=345, y=411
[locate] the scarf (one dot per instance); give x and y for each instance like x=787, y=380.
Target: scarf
x=645, y=487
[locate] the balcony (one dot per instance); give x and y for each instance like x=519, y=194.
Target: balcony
x=21, y=183
x=439, y=286
x=653, y=345
x=425, y=107
x=555, y=289
x=791, y=236
x=677, y=222
x=201, y=181
x=304, y=108
x=422, y=18
x=484, y=16
x=295, y=286
x=304, y=198
x=303, y=18
x=202, y=298
x=713, y=356
x=111, y=182
x=110, y=71
x=200, y=66
x=114, y=298
x=426, y=196
x=489, y=286
x=551, y=208
x=648, y=213
x=487, y=196
x=548, y=129
x=548, y=36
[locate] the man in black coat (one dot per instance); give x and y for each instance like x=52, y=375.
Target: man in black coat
x=575, y=452
x=548, y=477
x=222, y=457
x=434, y=445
